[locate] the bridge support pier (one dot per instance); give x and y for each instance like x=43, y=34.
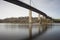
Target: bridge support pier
x=30, y=16
x=30, y=24
x=47, y=21
x=43, y=24
x=39, y=23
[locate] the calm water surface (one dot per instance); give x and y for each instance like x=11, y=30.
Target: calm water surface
x=16, y=31
x=52, y=33
x=10, y=31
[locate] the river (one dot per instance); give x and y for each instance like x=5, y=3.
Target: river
x=10, y=31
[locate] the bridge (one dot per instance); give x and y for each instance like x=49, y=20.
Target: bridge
x=29, y=7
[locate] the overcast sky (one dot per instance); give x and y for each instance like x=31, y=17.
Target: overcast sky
x=50, y=7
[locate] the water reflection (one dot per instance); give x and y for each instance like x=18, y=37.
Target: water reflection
x=21, y=31
x=52, y=33
x=30, y=31
x=40, y=32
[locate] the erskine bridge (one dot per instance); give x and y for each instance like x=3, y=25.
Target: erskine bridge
x=49, y=20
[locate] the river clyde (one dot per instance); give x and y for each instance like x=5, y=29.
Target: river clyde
x=10, y=31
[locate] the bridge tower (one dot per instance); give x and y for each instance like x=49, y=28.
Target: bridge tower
x=30, y=23
x=30, y=14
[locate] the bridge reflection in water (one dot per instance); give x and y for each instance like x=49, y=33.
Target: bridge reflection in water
x=21, y=31
x=41, y=29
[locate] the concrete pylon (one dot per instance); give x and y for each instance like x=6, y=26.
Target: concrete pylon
x=30, y=16
x=39, y=18
x=39, y=23
x=43, y=25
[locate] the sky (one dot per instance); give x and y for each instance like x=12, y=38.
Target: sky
x=50, y=7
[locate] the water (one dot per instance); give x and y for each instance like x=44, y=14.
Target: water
x=16, y=31
x=10, y=31
x=52, y=33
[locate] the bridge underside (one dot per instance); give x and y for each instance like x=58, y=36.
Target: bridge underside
x=19, y=3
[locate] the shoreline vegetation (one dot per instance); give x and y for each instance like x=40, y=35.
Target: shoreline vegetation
x=22, y=20
x=18, y=20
